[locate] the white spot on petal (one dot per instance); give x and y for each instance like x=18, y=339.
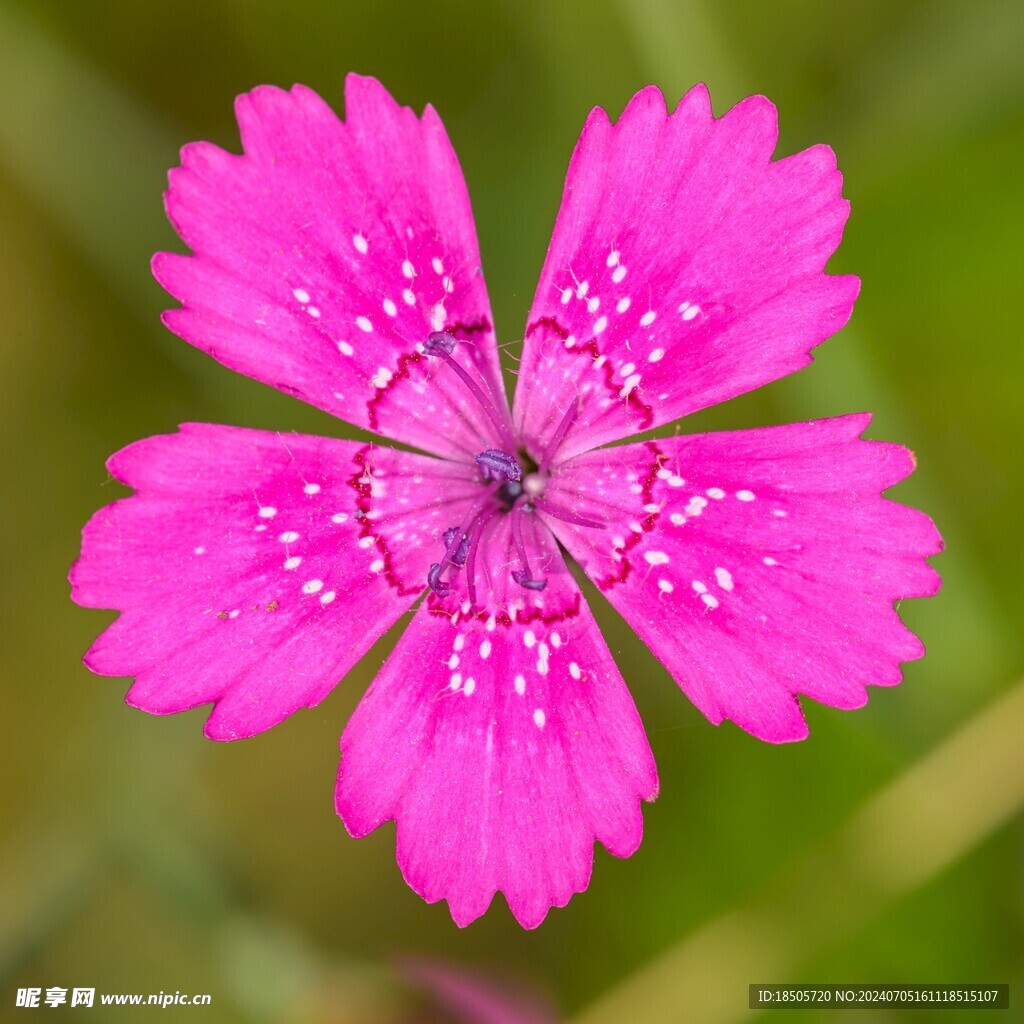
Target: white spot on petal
x=363, y=324
x=631, y=382
x=360, y=243
x=539, y=718
x=312, y=586
x=301, y=295
x=656, y=557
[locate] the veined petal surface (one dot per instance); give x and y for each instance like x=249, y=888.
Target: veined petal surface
x=686, y=267
x=253, y=569
x=326, y=254
x=758, y=565
x=502, y=748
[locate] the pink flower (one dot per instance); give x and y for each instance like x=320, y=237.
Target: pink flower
x=338, y=262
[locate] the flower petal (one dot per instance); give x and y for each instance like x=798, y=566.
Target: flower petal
x=685, y=268
x=758, y=564
x=502, y=751
x=327, y=253
x=254, y=569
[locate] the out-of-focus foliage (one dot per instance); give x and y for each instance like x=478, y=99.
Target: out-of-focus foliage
x=137, y=856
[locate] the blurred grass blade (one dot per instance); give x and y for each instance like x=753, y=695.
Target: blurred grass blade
x=91, y=157
x=679, y=45
x=944, y=805
x=950, y=76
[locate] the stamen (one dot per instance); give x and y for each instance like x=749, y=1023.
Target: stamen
x=498, y=465
x=559, y=435
x=462, y=551
x=459, y=545
x=443, y=345
x=523, y=576
x=434, y=581
x=474, y=547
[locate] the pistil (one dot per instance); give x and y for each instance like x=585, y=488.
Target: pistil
x=559, y=435
x=443, y=346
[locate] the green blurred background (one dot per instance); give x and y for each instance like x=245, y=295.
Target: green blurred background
x=137, y=856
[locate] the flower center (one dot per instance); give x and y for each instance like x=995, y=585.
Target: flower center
x=509, y=490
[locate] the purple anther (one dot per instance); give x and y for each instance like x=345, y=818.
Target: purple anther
x=438, y=342
x=523, y=578
x=461, y=553
x=498, y=465
x=434, y=581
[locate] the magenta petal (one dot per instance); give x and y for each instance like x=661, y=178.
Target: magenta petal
x=327, y=253
x=685, y=268
x=502, y=753
x=758, y=565
x=254, y=569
